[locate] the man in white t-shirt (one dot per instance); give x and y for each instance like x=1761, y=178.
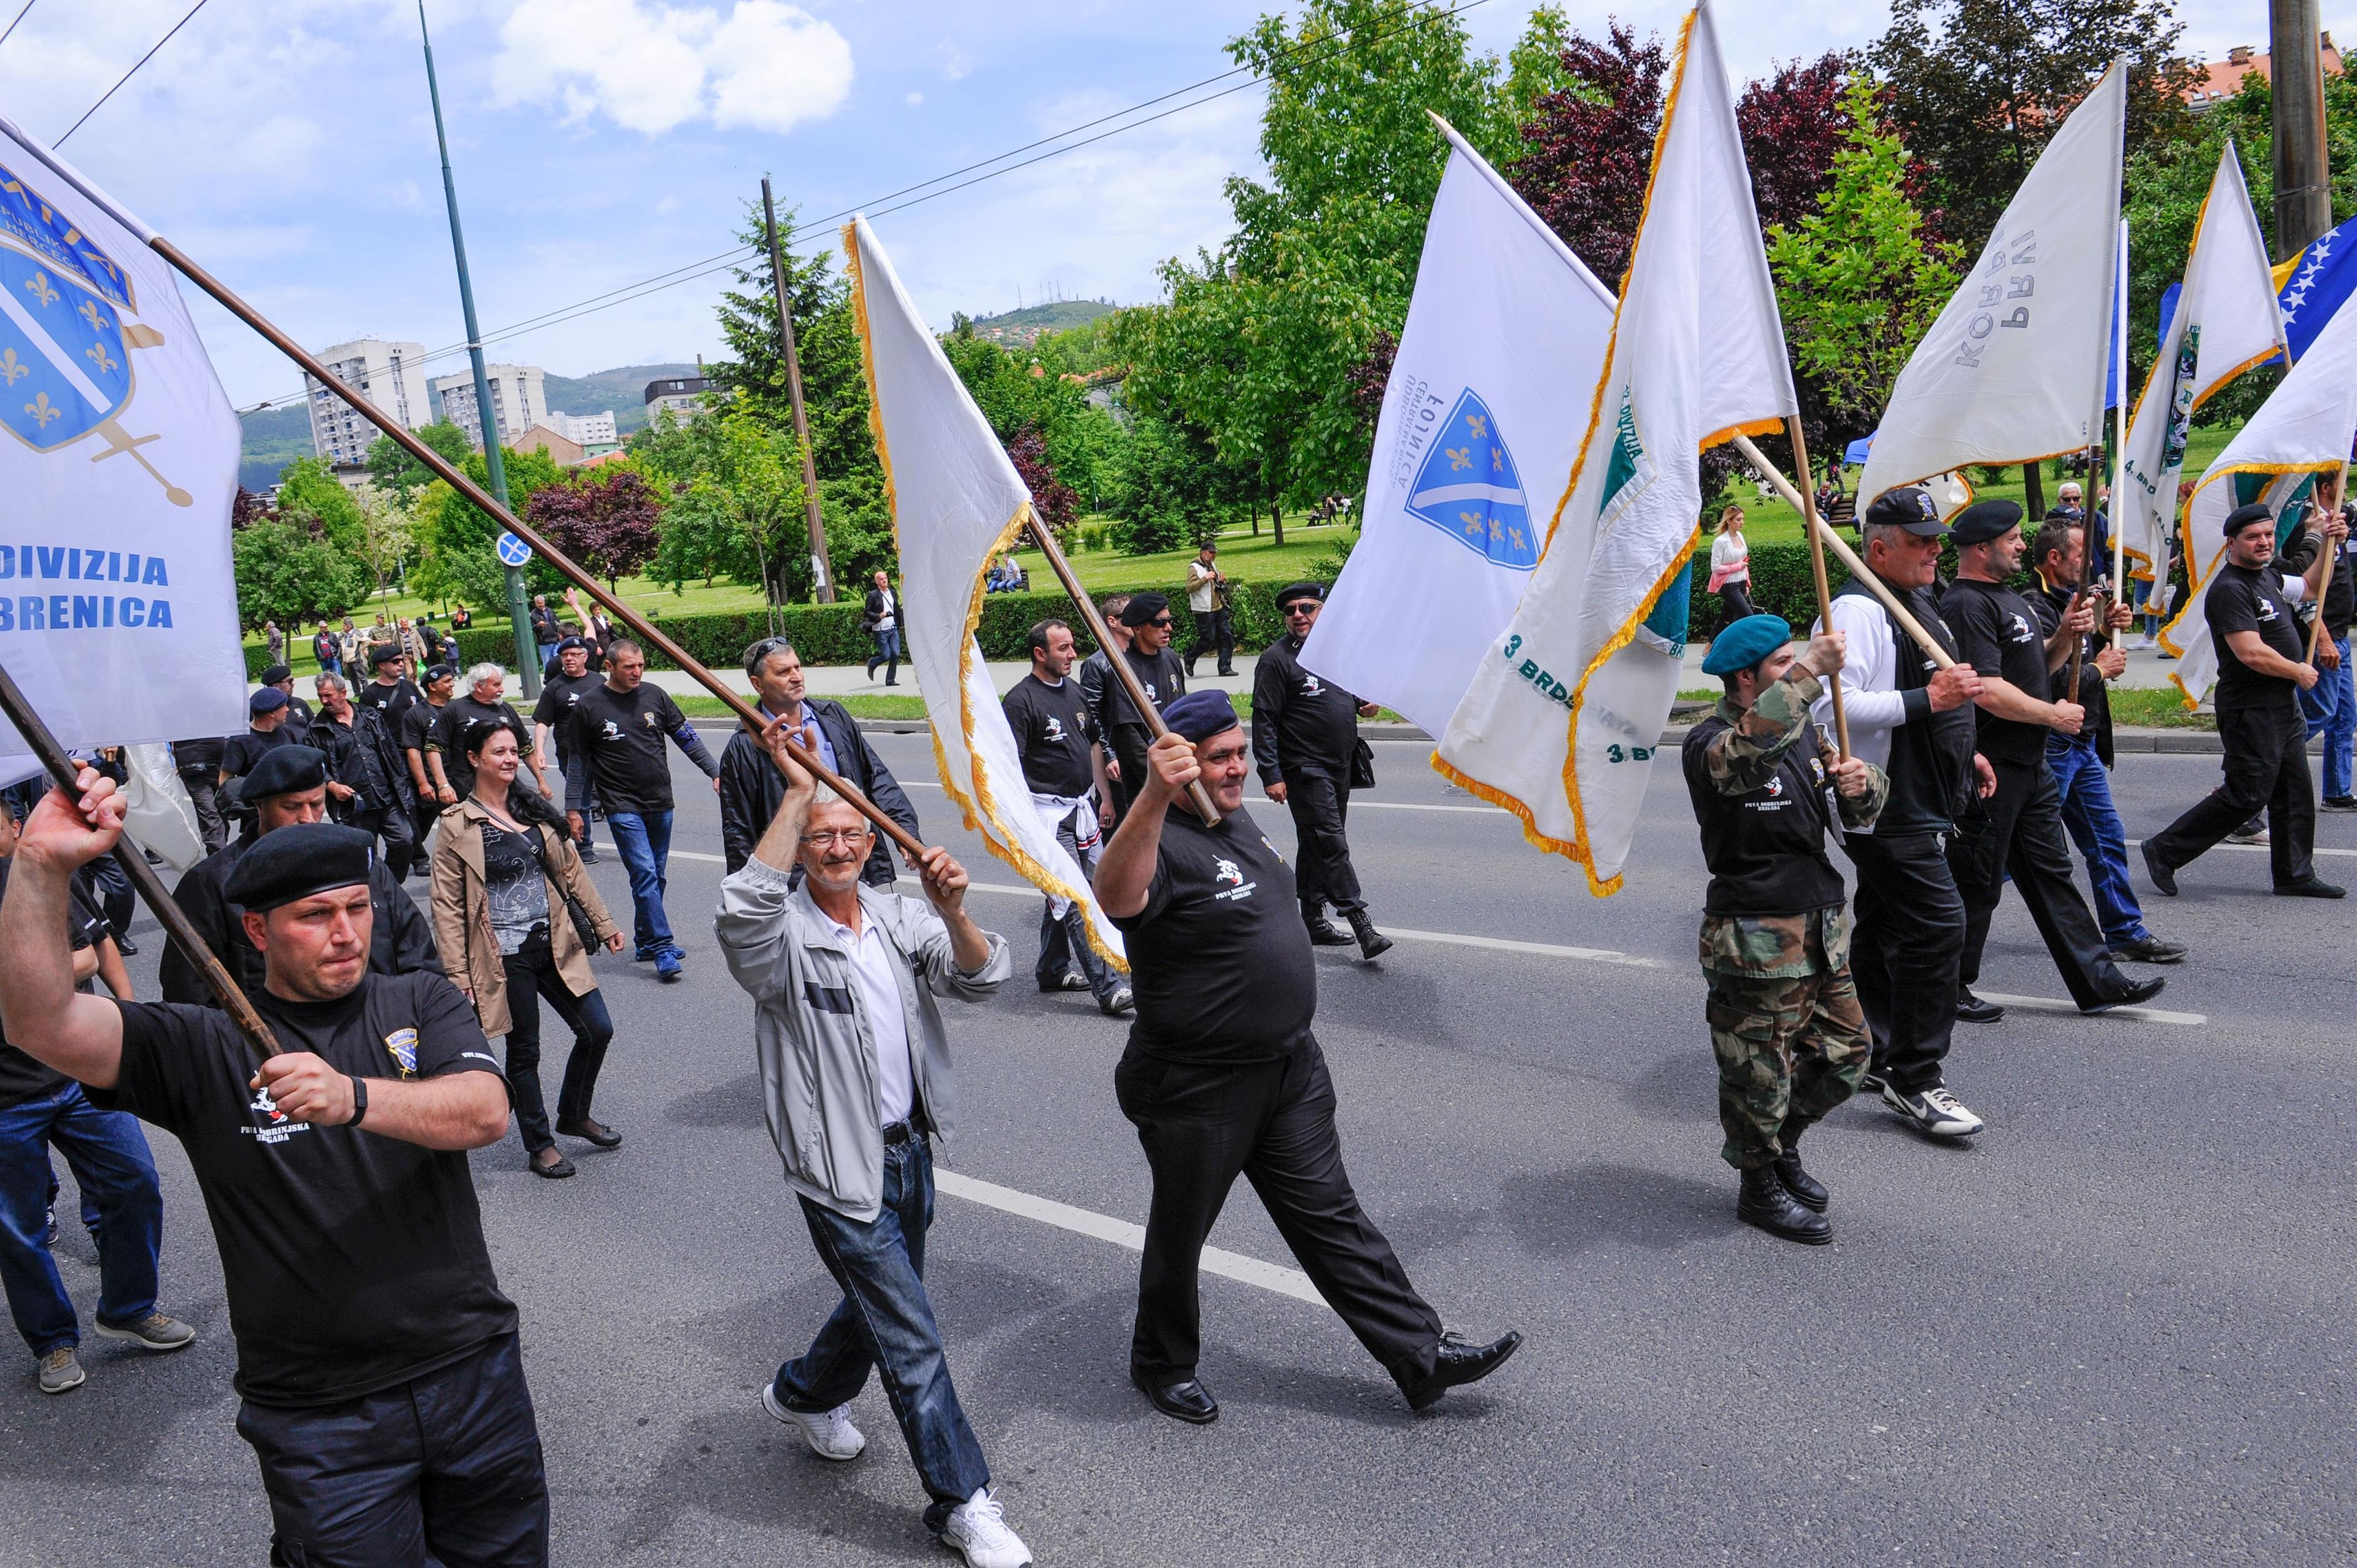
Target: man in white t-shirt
x=1206, y=593
x=881, y=617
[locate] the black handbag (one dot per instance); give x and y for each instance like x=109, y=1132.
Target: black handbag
x=1362, y=764
x=583, y=926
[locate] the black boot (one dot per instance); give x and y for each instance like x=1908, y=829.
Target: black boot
x=1800, y=1183
x=1371, y=943
x=1765, y=1203
x=1321, y=933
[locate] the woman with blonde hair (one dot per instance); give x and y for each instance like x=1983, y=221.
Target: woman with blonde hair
x=510, y=896
x=1730, y=566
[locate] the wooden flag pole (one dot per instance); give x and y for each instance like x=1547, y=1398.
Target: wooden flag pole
x=2316, y=628
x=442, y=469
x=1858, y=569
x=63, y=768
x=1045, y=538
x=1816, y=529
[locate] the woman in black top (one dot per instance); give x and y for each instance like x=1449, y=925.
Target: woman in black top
x=503, y=868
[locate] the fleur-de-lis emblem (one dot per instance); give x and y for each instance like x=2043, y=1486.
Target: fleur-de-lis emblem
x=1497, y=459
x=90, y=313
x=98, y=356
x=42, y=412
x=12, y=368
x=1517, y=535
x=38, y=285
x=1459, y=458
x=1478, y=426
x=1472, y=523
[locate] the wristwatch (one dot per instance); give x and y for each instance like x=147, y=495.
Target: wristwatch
x=359, y=1101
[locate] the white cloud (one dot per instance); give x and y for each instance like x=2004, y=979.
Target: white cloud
x=955, y=67
x=649, y=68
x=914, y=99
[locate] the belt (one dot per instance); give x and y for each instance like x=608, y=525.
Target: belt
x=900, y=1133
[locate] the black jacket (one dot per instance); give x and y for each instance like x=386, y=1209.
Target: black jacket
x=1933, y=780
x=1301, y=723
x=403, y=940
x=872, y=609
x=751, y=789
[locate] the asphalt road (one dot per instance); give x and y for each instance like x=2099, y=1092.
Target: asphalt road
x=2115, y=1329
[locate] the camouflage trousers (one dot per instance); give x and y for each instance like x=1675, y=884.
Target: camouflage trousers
x=1789, y=1049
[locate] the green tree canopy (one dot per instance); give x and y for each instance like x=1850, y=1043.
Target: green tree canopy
x=392, y=468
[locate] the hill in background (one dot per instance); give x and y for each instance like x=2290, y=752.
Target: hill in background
x=1025, y=326
x=276, y=436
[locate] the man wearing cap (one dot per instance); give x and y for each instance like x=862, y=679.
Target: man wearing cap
x=377, y=1366
x=287, y=788
x=1223, y=1076
x=1785, y=1023
x=552, y=722
x=1913, y=720
x=298, y=712
x=2017, y=829
x=1305, y=734
x=265, y=732
x=1160, y=672
x=390, y=689
x=2261, y=669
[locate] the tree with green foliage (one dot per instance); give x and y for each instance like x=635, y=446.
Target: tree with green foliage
x=1855, y=280
x=736, y=508
x=1169, y=489
x=392, y=468
x=290, y=570
x=827, y=346
x=389, y=536
x=311, y=496
x=458, y=544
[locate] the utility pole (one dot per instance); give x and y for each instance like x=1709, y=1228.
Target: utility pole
x=519, y=614
x=819, y=568
x=2295, y=67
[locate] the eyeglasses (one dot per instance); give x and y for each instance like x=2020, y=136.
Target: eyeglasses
x=1165, y=622
x=847, y=837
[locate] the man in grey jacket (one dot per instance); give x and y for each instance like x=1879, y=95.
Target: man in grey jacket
x=855, y=1083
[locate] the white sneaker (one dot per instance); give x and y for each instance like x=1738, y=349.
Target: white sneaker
x=977, y=1530
x=1934, y=1112
x=2146, y=643
x=829, y=1433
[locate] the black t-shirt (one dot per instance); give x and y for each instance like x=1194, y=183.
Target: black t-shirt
x=21, y=1076
x=1996, y=632
x=559, y=693
x=417, y=725
x=2251, y=598
x=199, y=755
x=1219, y=958
x=1162, y=674
x=241, y=752
x=1052, y=731
x=449, y=736
x=1766, y=849
x=394, y=700
x=624, y=735
x=353, y=1261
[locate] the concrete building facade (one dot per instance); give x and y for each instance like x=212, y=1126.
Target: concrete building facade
x=390, y=375
x=518, y=401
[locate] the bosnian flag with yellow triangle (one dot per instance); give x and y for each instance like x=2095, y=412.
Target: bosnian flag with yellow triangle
x=1564, y=715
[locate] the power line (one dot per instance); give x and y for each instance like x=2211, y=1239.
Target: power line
x=126, y=75
x=692, y=271
x=20, y=17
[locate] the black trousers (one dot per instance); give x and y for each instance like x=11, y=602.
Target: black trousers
x=1271, y=1123
x=2265, y=764
x=449, y=1463
x=203, y=785
x=1906, y=942
x=1129, y=747
x=1214, y=632
x=1320, y=806
x=533, y=975
x=2018, y=832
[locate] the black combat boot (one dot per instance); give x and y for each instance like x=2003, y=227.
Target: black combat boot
x=1800, y=1183
x=1371, y=943
x=1321, y=933
x=1765, y=1204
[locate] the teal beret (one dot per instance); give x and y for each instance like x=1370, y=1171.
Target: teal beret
x=1745, y=643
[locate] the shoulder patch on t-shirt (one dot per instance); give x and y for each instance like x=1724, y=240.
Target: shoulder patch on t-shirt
x=401, y=1046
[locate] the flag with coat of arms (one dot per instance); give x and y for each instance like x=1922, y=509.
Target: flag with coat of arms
x=1567, y=707
x=957, y=504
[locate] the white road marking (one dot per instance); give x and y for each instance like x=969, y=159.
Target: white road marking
x=2251, y=849
x=1121, y=1233
x=2070, y=1009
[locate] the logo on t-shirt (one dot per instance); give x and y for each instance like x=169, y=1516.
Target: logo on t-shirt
x=609, y=731
x=1055, y=729
x=1775, y=784
x=652, y=722
x=2265, y=606
x=403, y=1046
x=2021, y=632
x=274, y=1127
x=1311, y=686
x=1151, y=694
x=267, y=1106
x=1229, y=872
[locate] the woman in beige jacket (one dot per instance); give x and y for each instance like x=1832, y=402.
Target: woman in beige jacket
x=503, y=865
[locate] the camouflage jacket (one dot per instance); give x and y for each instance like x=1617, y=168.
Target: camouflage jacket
x=1742, y=759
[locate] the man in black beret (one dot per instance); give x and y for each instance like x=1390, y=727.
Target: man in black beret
x=1306, y=741
x=377, y=1365
x=298, y=712
x=287, y=788
x=1157, y=665
x=2017, y=829
x=1223, y=1077
x=390, y=689
x=2262, y=668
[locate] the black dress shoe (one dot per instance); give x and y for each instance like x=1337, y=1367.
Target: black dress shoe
x=2136, y=995
x=1800, y=1183
x=597, y=1132
x=1457, y=1361
x=1971, y=1009
x=2163, y=875
x=1765, y=1202
x=2150, y=950
x=126, y=947
x=2312, y=887
x=1186, y=1399
x=1323, y=933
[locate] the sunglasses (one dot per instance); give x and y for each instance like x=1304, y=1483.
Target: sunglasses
x=1299, y=608
x=1165, y=622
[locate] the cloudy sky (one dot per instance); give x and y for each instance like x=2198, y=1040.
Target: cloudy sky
x=288, y=145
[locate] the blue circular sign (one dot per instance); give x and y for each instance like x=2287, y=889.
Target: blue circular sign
x=514, y=552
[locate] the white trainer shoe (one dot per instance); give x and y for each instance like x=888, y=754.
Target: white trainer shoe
x=1934, y=1112
x=829, y=1433
x=977, y=1530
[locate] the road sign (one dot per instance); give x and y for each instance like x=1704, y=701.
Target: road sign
x=514, y=552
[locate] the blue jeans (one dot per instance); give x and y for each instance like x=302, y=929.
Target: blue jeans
x=643, y=840
x=887, y=653
x=108, y=1157
x=2094, y=824
x=886, y=1322
x=2330, y=709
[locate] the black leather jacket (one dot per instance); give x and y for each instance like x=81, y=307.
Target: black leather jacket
x=750, y=790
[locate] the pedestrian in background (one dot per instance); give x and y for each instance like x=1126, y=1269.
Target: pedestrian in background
x=1207, y=601
x=1730, y=566
x=327, y=650
x=880, y=615
x=197, y=761
x=273, y=640
x=2331, y=705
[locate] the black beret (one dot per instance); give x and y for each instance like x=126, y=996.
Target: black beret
x=282, y=770
x=1199, y=715
x=1908, y=506
x=2242, y=517
x=570, y=644
x=1144, y=608
x=1984, y=520
x=441, y=673
x=299, y=861
x=385, y=653
x=275, y=673
x=1286, y=595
